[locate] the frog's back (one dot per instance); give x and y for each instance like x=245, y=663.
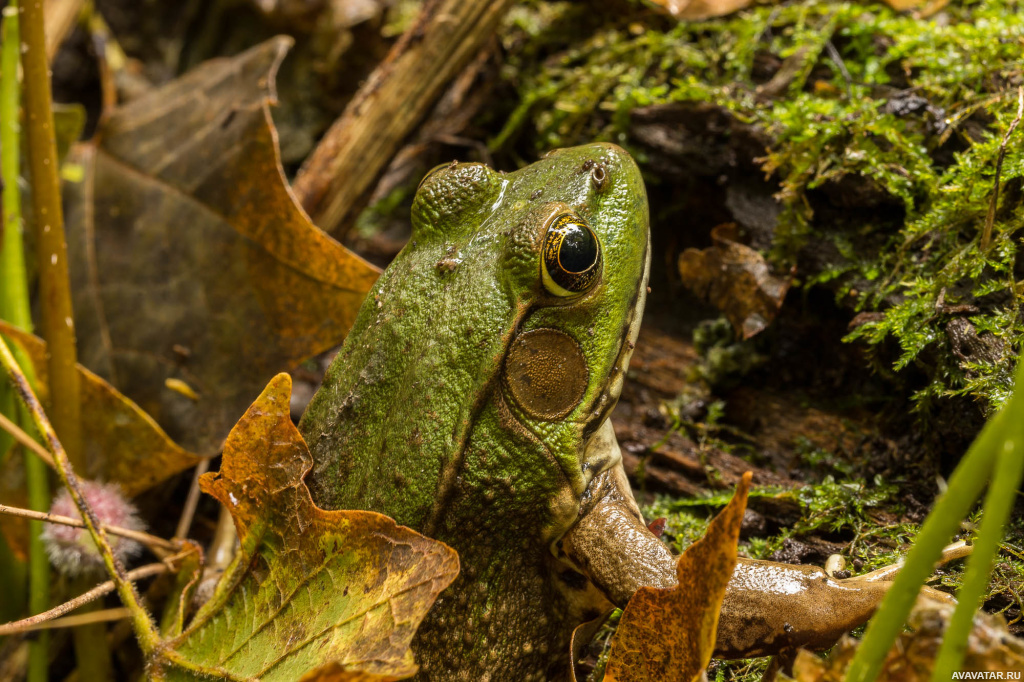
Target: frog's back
x=391, y=416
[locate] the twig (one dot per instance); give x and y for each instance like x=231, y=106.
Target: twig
x=28, y=441
x=101, y=616
x=95, y=593
x=145, y=631
x=222, y=548
x=165, y=547
x=837, y=59
x=185, y=520
x=990, y=219
x=339, y=175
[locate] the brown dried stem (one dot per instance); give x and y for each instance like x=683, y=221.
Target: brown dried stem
x=158, y=545
x=101, y=616
x=990, y=218
x=28, y=441
x=340, y=174
x=145, y=630
x=103, y=589
x=189, y=510
x=54, y=283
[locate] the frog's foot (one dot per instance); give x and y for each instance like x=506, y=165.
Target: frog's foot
x=836, y=564
x=770, y=608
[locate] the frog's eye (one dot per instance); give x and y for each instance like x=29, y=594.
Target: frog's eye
x=571, y=259
x=434, y=170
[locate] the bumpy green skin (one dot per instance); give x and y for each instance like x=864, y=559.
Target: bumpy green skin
x=415, y=421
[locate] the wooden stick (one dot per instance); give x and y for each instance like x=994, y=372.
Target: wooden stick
x=151, y=541
x=185, y=520
x=28, y=441
x=990, y=217
x=101, y=616
x=95, y=593
x=338, y=177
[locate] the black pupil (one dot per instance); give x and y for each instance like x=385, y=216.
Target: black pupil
x=578, y=250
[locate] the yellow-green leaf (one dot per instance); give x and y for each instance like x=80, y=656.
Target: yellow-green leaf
x=309, y=588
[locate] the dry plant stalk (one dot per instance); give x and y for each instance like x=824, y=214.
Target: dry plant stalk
x=338, y=177
x=990, y=218
x=54, y=284
x=145, y=630
x=27, y=441
x=101, y=616
x=101, y=590
x=159, y=546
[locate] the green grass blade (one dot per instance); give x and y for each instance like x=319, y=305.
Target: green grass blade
x=14, y=307
x=1002, y=495
x=965, y=487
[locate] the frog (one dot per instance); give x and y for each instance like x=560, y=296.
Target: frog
x=471, y=402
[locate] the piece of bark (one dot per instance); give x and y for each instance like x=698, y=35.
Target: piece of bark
x=339, y=175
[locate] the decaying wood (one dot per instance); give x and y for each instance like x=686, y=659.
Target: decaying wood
x=339, y=175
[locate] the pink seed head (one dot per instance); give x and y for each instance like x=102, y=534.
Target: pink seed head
x=72, y=550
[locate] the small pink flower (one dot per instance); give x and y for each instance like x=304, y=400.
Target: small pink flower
x=71, y=550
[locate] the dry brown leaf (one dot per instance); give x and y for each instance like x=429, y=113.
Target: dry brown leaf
x=123, y=444
x=192, y=265
x=310, y=588
x=735, y=279
x=904, y=5
x=581, y=637
x=696, y=10
x=668, y=635
x=990, y=648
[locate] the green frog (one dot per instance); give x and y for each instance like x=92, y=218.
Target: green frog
x=471, y=402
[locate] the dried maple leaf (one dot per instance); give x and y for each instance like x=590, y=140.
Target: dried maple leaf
x=696, y=10
x=735, y=279
x=990, y=649
x=336, y=595
x=668, y=635
x=196, y=276
x=122, y=443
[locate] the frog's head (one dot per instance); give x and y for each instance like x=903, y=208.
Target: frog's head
x=575, y=258
x=505, y=325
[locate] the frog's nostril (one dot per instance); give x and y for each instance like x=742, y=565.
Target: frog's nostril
x=599, y=176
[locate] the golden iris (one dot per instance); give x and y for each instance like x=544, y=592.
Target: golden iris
x=571, y=259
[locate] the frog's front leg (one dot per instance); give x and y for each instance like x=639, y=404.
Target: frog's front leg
x=768, y=608
x=771, y=607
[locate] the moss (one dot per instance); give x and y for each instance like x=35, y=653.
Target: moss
x=900, y=117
